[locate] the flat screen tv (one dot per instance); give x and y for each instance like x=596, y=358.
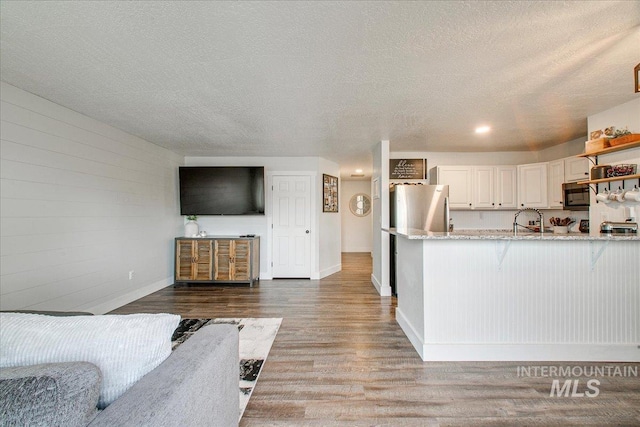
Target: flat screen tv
x=221, y=190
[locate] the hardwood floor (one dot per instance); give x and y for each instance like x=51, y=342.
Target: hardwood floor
x=340, y=358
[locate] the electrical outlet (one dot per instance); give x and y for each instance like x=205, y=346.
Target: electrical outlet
x=131, y=275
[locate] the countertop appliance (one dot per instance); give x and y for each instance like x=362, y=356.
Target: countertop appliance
x=618, y=227
x=425, y=207
x=576, y=196
x=584, y=226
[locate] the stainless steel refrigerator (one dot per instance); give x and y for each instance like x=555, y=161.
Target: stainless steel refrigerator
x=422, y=207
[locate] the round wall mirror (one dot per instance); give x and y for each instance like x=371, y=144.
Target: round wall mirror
x=360, y=204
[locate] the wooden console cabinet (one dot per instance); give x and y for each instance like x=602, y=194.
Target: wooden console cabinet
x=217, y=260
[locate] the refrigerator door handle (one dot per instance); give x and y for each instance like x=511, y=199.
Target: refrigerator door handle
x=447, y=219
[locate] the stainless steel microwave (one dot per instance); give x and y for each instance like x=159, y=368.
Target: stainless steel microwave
x=576, y=196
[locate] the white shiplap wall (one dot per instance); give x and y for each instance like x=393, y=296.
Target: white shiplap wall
x=82, y=204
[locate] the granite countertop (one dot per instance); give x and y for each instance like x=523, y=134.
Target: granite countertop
x=416, y=234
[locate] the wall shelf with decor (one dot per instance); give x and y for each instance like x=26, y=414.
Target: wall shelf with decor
x=610, y=149
x=614, y=178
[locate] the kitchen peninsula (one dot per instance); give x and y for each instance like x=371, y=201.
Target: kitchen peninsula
x=496, y=296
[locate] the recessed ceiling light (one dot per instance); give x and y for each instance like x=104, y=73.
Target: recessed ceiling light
x=483, y=129
x=358, y=170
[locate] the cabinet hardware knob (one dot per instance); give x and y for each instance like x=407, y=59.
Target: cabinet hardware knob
x=307, y=231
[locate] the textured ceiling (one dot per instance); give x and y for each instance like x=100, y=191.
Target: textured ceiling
x=327, y=79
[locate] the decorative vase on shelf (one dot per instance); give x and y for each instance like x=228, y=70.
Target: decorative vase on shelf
x=191, y=228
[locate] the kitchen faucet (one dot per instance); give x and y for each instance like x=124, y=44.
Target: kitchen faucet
x=515, y=220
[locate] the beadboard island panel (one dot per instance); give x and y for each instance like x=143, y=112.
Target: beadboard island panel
x=517, y=300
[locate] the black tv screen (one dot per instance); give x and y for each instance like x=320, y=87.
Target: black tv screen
x=221, y=190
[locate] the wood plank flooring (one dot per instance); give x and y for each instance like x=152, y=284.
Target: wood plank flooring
x=340, y=359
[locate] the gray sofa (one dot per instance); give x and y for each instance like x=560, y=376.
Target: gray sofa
x=197, y=385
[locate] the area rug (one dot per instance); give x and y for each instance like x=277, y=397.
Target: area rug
x=256, y=338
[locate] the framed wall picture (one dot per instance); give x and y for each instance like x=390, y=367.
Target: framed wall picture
x=329, y=193
x=407, y=168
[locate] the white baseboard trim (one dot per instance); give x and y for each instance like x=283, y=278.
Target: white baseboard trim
x=384, y=291
x=531, y=352
x=520, y=352
x=121, y=300
x=410, y=332
x=331, y=270
x=362, y=249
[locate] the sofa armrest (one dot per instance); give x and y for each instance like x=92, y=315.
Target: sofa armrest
x=197, y=385
x=50, y=394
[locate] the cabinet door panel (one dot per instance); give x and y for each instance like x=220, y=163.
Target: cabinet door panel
x=484, y=187
x=458, y=178
x=241, y=260
x=556, y=178
x=576, y=169
x=203, y=264
x=507, y=192
x=223, y=260
x=533, y=185
x=184, y=259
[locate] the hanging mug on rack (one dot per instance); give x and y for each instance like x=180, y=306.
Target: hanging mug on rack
x=603, y=197
x=633, y=195
x=620, y=195
x=613, y=196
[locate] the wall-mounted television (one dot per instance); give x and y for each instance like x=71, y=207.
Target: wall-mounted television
x=221, y=190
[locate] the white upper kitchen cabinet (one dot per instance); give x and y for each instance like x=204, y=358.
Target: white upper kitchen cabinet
x=494, y=187
x=459, y=180
x=533, y=185
x=506, y=188
x=484, y=186
x=576, y=169
x=556, y=179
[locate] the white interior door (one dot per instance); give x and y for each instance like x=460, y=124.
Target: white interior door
x=291, y=226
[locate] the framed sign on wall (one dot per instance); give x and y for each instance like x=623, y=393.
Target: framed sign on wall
x=407, y=168
x=329, y=193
